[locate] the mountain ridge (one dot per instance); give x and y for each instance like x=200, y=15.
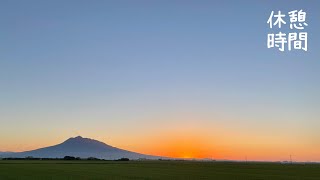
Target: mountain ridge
x=83, y=148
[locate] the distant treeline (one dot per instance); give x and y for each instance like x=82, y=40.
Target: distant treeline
x=72, y=158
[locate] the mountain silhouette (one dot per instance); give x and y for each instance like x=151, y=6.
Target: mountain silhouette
x=80, y=147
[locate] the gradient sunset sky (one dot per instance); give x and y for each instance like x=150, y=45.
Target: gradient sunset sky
x=170, y=78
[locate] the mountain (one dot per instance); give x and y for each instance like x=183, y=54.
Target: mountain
x=80, y=147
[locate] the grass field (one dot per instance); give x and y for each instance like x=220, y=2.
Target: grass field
x=28, y=169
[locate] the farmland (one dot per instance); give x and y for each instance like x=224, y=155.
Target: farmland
x=60, y=169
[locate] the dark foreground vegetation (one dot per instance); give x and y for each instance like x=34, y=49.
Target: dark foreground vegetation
x=66, y=158
x=98, y=169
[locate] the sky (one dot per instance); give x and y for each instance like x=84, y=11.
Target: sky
x=172, y=78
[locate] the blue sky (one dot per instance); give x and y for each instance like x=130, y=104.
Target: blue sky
x=80, y=67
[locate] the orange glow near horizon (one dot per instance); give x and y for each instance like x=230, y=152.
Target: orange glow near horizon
x=184, y=147
x=193, y=142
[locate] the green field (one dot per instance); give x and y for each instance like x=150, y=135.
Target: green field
x=37, y=169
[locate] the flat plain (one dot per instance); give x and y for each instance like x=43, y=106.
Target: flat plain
x=59, y=169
